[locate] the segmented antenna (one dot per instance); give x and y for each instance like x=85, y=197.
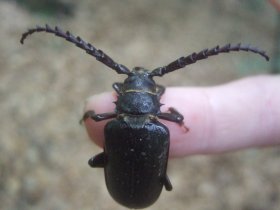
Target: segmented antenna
x=79, y=42
x=190, y=59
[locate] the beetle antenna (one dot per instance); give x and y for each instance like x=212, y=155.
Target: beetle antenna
x=98, y=54
x=192, y=58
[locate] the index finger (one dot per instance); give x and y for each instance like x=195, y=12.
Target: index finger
x=220, y=119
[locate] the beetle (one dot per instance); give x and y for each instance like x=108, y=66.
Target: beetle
x=136, y=146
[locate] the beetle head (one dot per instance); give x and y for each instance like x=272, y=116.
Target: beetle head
x=140, y=79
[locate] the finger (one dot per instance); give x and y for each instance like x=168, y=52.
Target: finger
x=229, y=117
x=220, y=119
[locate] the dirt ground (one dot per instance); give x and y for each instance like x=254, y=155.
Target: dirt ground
x=44, y=83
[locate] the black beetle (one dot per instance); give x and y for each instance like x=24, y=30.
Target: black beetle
x=136, y=144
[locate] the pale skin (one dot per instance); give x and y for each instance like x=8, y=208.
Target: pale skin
x=229, y=117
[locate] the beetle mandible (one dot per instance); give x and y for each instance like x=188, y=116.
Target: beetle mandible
x=136, y=144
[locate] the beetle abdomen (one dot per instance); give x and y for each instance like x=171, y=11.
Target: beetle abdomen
x=136, y=161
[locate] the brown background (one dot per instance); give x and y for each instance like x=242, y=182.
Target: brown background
x=43, y=86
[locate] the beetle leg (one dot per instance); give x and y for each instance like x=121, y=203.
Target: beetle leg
x=160, y=90
x=167, y=183
x=118, y=87
x=98, y=117
x=174, y=116
x=98, y=161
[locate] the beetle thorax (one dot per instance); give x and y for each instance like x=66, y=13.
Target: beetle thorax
x=138, y=94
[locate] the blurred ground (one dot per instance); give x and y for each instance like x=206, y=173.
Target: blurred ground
x=43, y=85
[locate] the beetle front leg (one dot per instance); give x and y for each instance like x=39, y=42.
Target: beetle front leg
x=173, y=116
x=98, y=117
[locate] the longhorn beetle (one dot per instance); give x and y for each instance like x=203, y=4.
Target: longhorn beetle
x=136, y=144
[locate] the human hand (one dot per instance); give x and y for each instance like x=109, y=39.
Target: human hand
x=229, y=117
